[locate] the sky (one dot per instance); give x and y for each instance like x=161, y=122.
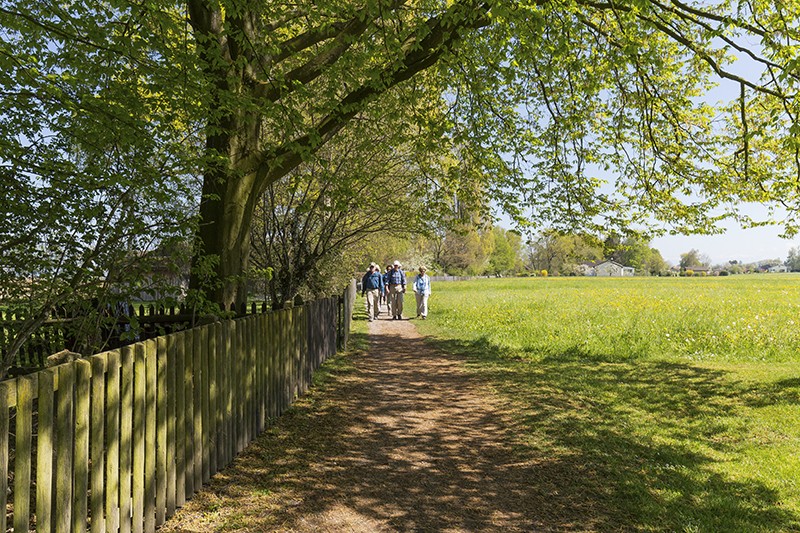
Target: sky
x=744, y=245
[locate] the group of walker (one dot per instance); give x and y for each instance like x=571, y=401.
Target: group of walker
x=391, y=286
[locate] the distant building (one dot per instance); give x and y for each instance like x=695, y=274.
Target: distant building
x=612, y=269
x=779, y=268
x=586, y=269
x=700, y=270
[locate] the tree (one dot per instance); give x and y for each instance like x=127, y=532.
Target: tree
x=554, y=88
x=505, y=251
x=636, y=252
x=358, y=186
x=561, y=254
x=465, y=251
x=655, y=265
x=646, y=59
x=693, y=258
x=793, y=259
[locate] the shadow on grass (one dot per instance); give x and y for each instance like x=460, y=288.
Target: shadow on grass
x=641, y=438
x=596, y=446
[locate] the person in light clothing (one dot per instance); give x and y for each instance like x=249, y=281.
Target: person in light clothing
x=397, y=287
x=422, y=289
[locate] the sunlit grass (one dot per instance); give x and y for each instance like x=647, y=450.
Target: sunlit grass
x=737, y=318
x=676, y=402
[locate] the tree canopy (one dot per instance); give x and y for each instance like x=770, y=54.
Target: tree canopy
x=538, y=101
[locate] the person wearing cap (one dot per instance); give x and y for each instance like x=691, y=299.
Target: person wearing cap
x=422, y=289
x=372, y=286
x=397, y=287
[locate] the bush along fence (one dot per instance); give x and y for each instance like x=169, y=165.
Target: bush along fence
x=57, y=332
x=119, y=440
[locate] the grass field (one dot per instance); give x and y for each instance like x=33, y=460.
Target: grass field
x=655, y=404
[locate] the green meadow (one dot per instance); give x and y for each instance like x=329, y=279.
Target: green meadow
x=653, y=404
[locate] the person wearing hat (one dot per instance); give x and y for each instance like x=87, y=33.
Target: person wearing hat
x=397, y=287
x=422, y=289
x=372, y=287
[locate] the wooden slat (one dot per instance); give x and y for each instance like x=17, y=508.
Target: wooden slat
x=273, y=366
x=204, y=398
x=197, y=431
x=232, y=363
x=306, y=348
x=126, y=439
x=161, y=431
x=254, y=391
x=223, y=419
x=188, y=384
x=97, y=443
x=44, y=452
x=298, y=367
x=151, y=376
x=80, y=484
x=279, y=363
x=247, y=405
x=180, y=420
x=244, y=376
x=213, y=391
x=240, y=370
x=4, y=431
x=171, y=406
x=302, y=368
x=112, y=439
x=235, y=378
x=261, y=373
x=287, y=359
x=22, y=459
x=139, y=425
x=64, y=439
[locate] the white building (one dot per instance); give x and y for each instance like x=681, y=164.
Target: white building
x=612, y=269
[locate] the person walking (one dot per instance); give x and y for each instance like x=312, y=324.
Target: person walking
x=422, y=289
x=386, y=289
x=382, y=293
x=397, y=287
x=372, y=286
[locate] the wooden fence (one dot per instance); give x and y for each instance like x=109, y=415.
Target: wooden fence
x=118, y=441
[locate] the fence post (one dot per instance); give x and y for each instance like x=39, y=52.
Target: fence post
x=126, y=439
x=150, y=437
x=44, y=451
x=83, y=381
x=97, y=440
x=139, y=424
x=161, y=430
x=65, y=438
x=180, y=419
x=171, y=394
x=4, y=430
x=22, y=461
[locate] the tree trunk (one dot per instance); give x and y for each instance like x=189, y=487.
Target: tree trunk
x=222, y=252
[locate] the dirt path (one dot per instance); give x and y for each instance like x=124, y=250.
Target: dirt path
x=403, y=441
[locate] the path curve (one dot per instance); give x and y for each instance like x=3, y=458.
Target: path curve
x=406, y=440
